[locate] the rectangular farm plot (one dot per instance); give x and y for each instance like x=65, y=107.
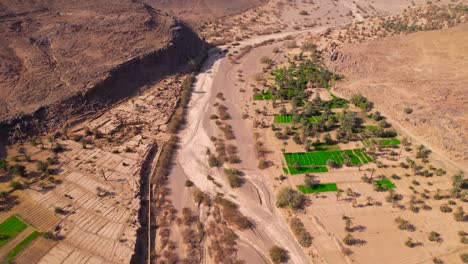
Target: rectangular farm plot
x=391, y=141
x=22, y=245
x=384, y=142
x=10, y=228
x=316, y=161
x=280, y=119
x=325, y=187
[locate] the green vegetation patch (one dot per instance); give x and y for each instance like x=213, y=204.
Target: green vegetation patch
x=10, y=228
x=285, y=170
x=323, y=187
x=315, y=119
x=22, y=245
x=391, y=141
x=280, y=119
x=384, y=142
x=363, y=156
x=385, y=184
x=321, y=157
x=371, y=128
x=265, y=95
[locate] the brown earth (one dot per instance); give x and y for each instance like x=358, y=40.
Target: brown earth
x=425, y=71
x=76, y=57
x=202, y=10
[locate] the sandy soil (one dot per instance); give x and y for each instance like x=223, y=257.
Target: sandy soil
x=429, y=79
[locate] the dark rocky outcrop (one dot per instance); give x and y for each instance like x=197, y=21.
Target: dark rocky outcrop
x=63, y=60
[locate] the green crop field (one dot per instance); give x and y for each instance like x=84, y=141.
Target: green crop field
x=22, y=245
x=323, y=187
x=391, y=141
x=10, y=228
x=283, y=119
x=385, y=184
x=321, y=157
x=316, y=161
x=315, y=119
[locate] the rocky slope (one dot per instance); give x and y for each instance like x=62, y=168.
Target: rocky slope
x=60, y=59
x=425, y=72
x=195, y=11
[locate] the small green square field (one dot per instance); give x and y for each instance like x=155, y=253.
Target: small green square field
x=323, y=187
x=385, y=184
x=281, y=119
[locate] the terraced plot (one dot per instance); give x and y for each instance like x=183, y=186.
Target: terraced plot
x=323, y=187
x=23, y=244
x=316, y=161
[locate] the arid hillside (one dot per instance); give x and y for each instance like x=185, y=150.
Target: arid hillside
x=76, y=57
x=195, y=11
x=419, y=80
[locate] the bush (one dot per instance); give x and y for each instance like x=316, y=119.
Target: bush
x=231, y=213
x=57, y=148
x=262, y=164
x=278, y=255
x=233, y=176
x=408, y=110
x=288, y=197
x=188, y=183
x=213, y=161
x=361, y=102
x=16, y=185
x=298, y=229
x=303, y=13
x=445, y=209
x=349, y=239
x=18, y=170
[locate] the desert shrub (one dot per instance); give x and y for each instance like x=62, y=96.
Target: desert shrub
x=232, y=214
x=290, y=198
x=57, y=148
x=408, y=110
x=198, y=196
x=360, y=101
x=303, y=13
x=434, y=237
x=349, y=239
x=188, y=183
x=213, y=161
x=404, y=224
x=266, y=60
x=234, y=177
x=262, y=164
x=302, y=235
x=445, y=208
x=18, y=170
x=223, y=113
x=278, y=255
